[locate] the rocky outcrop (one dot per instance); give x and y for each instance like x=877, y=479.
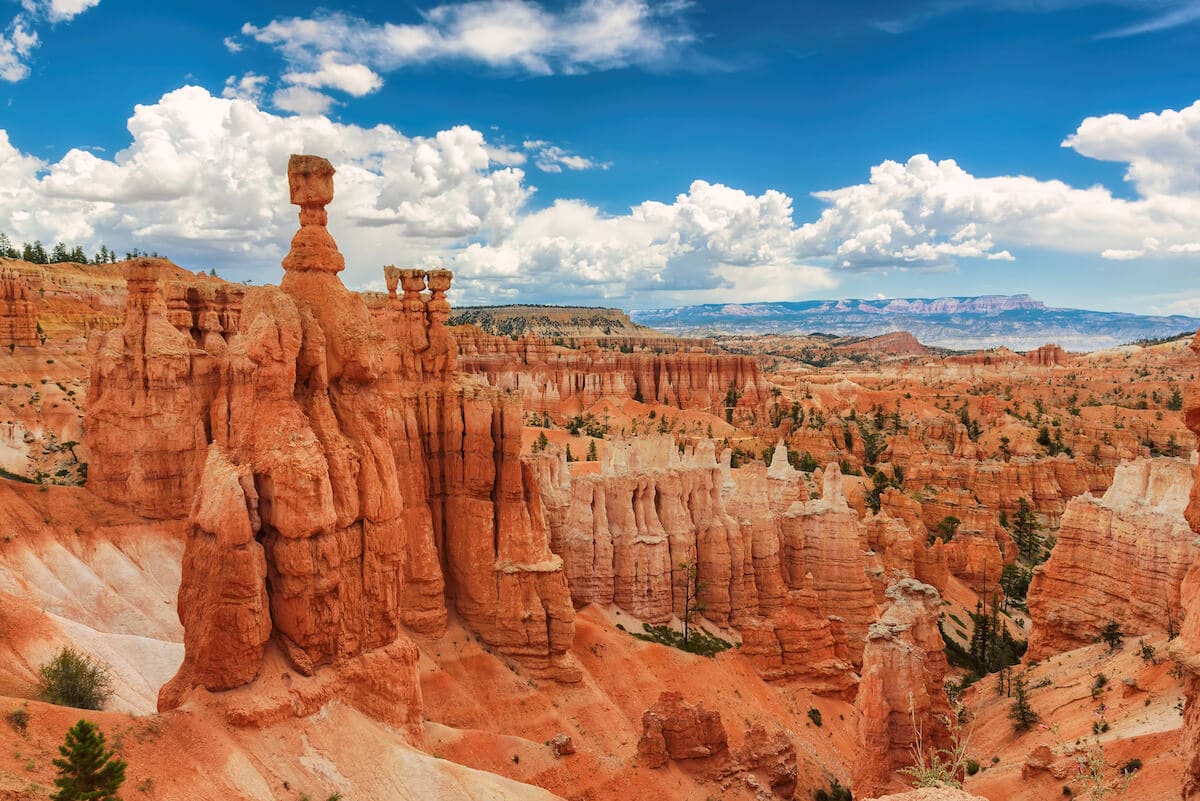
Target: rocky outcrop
x=931, y=794
x=18, y=312
x=624, y=532
x=673, y=729
x=1119, y=557
x=899, y=537
x=374, y=481
x=901, y=693
x=223, y=602
x=797, y=643
x=565, y=381
x=1048, y=356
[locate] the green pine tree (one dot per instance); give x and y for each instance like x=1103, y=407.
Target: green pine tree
x=87, y=772
x=1021, y=714
x=1026, y=532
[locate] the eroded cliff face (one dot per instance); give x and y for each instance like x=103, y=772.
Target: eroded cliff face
x=794, y=584
x=564, y=381
x=1186, y=648
x=624, y=531
x=146, y=421
x=1120, y=557
x=352, y=483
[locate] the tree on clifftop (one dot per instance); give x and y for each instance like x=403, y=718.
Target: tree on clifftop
x=87, y=772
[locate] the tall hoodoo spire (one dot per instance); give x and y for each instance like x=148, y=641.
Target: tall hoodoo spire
x=310, y=179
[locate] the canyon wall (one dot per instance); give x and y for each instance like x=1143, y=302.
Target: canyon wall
x=1120, y=557
x=565, y=381
x=789, y=574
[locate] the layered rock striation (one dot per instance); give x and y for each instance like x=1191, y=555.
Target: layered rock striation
x=565, y=381
x=18, y=311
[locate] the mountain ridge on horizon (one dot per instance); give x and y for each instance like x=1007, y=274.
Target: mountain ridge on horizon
x=963, y=322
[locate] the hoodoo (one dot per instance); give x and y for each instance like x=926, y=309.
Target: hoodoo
x=344, y=481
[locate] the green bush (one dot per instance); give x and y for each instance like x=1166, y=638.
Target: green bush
x=699, y=641
x=814, y=715
x=18, y=719
x=972, y=767
x=836, y=792
x=72, y=679
x=1132, y=766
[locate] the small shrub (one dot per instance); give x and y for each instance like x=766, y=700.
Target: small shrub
x=18, y=719
x=72, y=679
x=814, y=715
x=1099, y=727
x=972, y=767
x=1131, y=767
x=836, y=792
x=1067, y=790
x=699, y=641
x=1112, y=635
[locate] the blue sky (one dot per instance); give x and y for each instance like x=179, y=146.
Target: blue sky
x=626, y=153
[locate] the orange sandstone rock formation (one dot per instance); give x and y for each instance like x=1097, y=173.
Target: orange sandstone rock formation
x=1119, y=557
x=377, y=482
x=18, y=313
x=145, y=424
x=904, y=666
x=673, y=729
x=824, y=538
x=1186, y=648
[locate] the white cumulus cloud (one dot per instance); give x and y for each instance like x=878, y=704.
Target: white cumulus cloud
x=925, y=213
x=202, y=180
x=332, y=72
x=334, y=50
x=20, y=37
x=549, y=157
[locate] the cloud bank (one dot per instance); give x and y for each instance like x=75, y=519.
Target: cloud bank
x=202, y=180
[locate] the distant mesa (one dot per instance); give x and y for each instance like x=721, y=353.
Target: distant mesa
x=1019, y=322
